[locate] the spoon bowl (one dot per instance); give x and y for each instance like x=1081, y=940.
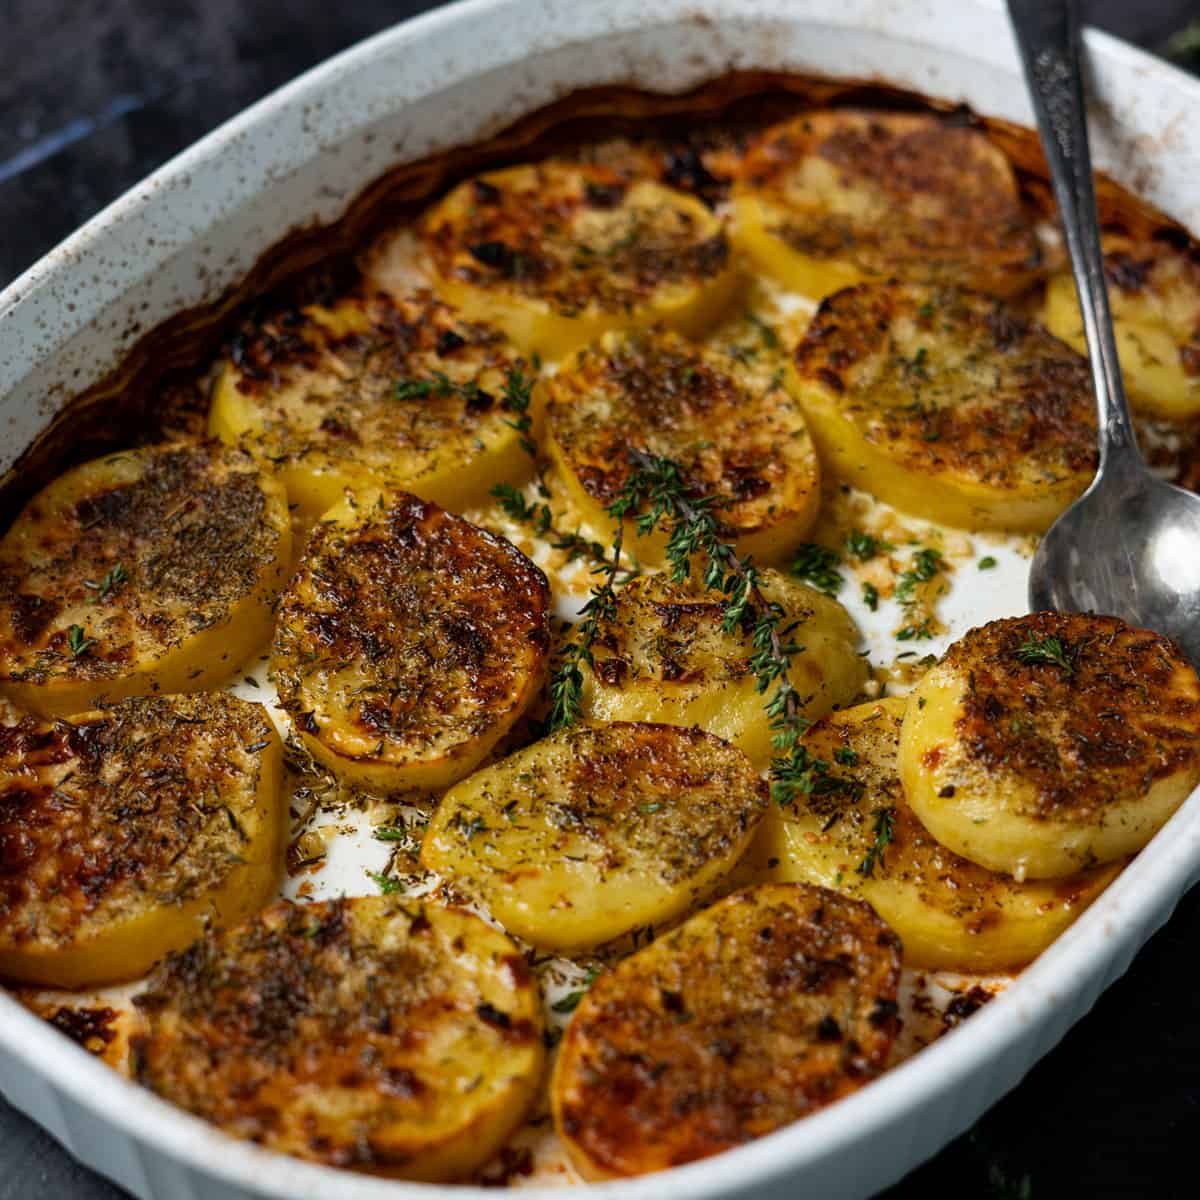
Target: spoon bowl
x=1129, y=547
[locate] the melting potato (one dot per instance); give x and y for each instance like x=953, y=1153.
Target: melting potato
x=1154, y=293
x=665, y=657
x=557, y=253
x=372, y=1033
x=124, y=832
x=149, y=570
x=741, y=443
x=830, y=199
x=856, y=832
x=408, y=643
x=756, y=1012
x=1051, y=742
x=401, y=393
x=947, y=406
x=597, y=830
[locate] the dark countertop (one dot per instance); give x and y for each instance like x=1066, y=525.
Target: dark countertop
x=97, y=93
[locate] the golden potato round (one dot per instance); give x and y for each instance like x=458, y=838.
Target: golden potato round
x=148, y=570
x=597, y=830
x=830, y=199
x=373, y=391
x=408, y=643
x=947, y=405
x=1154, y=294
x=665, y=657
x=759, y=1010
x=745, y=444
x=124, y=832
x=557, y=253
x=858, y=834
x=1043, y=744
x=372, y=1033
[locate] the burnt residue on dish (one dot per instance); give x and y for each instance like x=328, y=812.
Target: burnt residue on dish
x=159, y=390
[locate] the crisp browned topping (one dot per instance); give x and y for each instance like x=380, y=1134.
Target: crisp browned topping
x=760, y=1010
x=734, y=439
x=933, y=202
x=400, y=386
x=948, y=380
x=358, y=1032
x=577, y=236
x=409, y=632
x=137, y=553
x=141, y=805
x=1085, y=709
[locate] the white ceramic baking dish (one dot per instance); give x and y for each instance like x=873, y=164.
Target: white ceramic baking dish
x=197, y=225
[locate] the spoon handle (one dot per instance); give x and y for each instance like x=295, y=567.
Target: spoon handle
x=1047, y=34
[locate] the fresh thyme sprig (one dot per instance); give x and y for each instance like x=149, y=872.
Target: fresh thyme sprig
x=566, y=688
x=1047, y=650
x=885, y=834
x=655, y=495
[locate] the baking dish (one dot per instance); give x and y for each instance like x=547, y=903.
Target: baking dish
x=297, y=159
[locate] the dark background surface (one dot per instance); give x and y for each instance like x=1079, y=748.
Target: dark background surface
x=94, y=95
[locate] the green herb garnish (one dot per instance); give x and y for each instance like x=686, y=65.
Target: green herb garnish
x=885, y=834
x=1048, y=650
x=817, y=565
x=77, y=643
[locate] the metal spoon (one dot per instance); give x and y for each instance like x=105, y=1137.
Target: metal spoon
x=1130, y=545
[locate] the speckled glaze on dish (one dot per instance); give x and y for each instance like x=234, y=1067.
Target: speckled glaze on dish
x=299, y=157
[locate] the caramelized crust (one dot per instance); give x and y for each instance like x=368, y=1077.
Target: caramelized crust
x=1043, y=743
x=143, y=553
x=756, y=1012
x=123, y=831
x=736, y=440
x=576, y=236
x=904, y=384
x=370, y=1033
x=402, y=393
x=596, y=830
x=408, y=642
x=871, y=195
x=856, y=831
x=1126, y=713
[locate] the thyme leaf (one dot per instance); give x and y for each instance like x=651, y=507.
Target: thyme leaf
x=885, y=834
x=1047, y=650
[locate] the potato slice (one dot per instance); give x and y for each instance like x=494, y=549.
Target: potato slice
x=597, y=830
x=736, y=440
x=371, y=391
x=665, y=657
x=557, y=253
x=1051, y=742
x=829, y=199
x=408, y=643
x=756, y=1012
x=148, y=570
x=1154, y=293
x=123, y=832
x=856, y=833
x=947, y=406
x=372, y=1033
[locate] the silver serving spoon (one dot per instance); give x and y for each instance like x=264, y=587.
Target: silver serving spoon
x=1130, y=545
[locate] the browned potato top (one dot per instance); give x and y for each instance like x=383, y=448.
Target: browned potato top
x=1087, y=709
x=408, y=627
x=152, y=545
x=143, y=804
x=372, y=1033
x=757, y=1011
x=910, y=194
x=735, y=439
x=950, y=380
x=568, y=233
